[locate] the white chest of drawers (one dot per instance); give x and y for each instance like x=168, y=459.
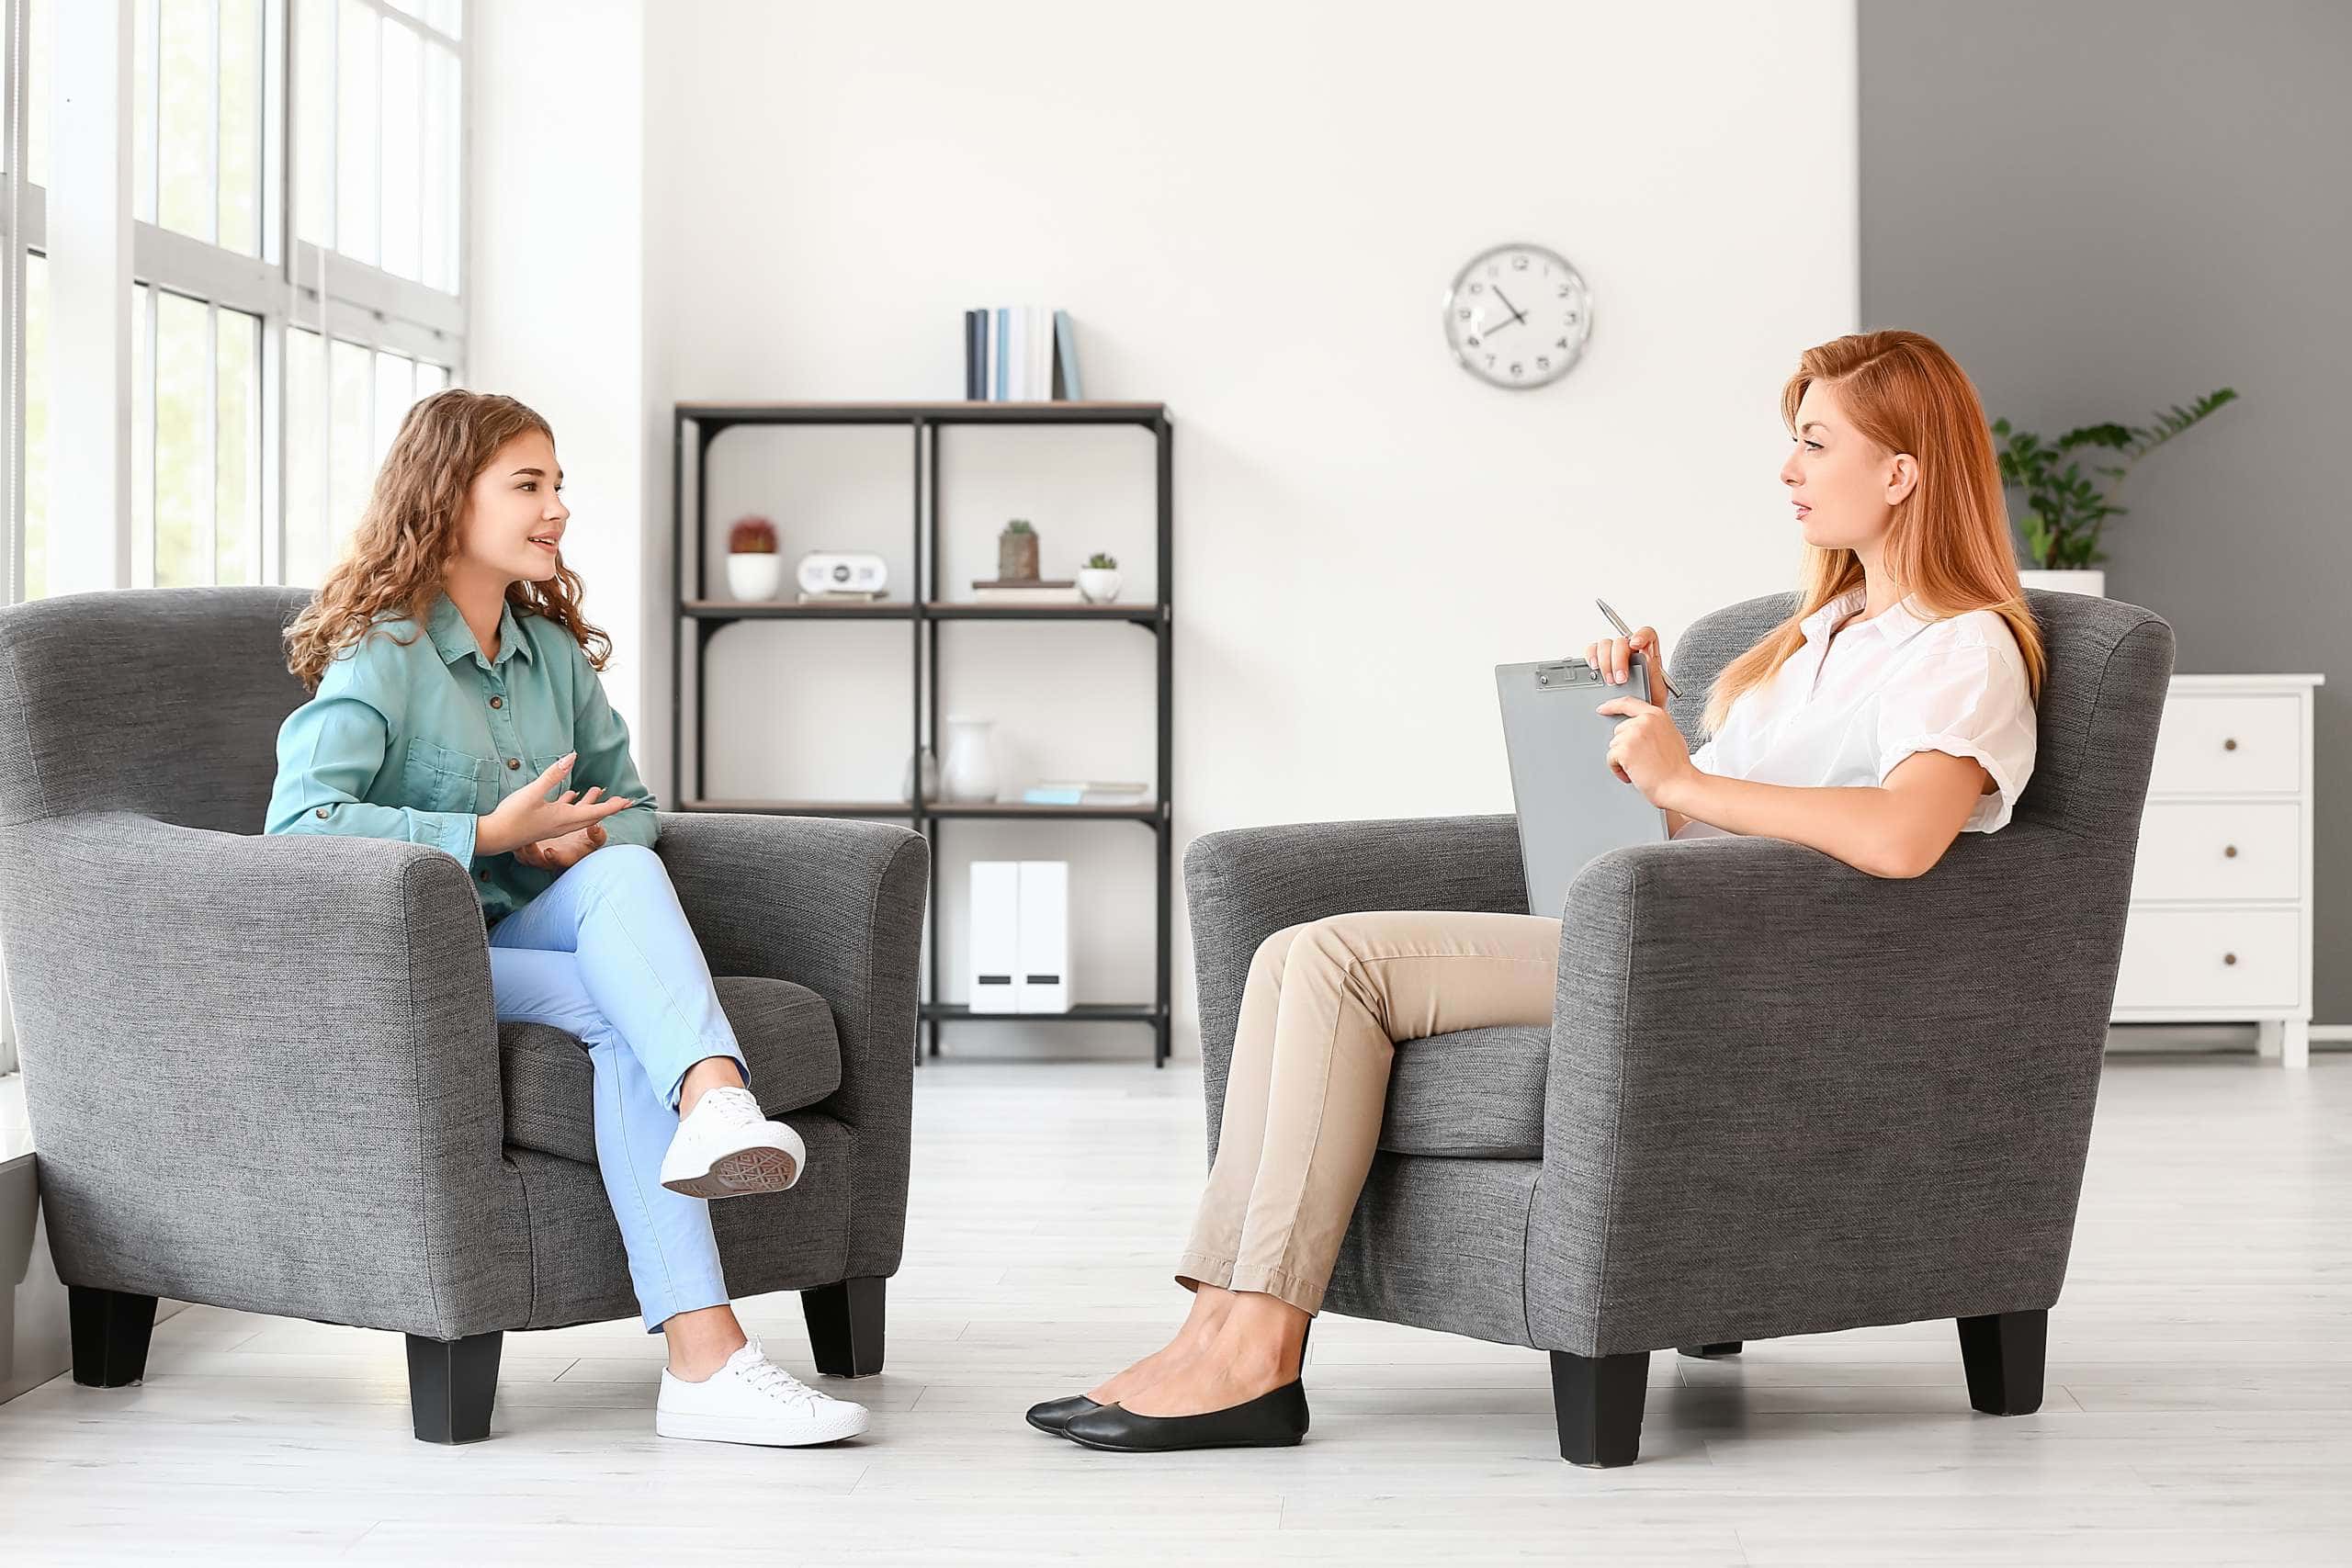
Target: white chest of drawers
x=2221, y=923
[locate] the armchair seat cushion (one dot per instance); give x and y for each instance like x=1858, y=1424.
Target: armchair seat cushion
x=789, y=1045
x=1473, y=1094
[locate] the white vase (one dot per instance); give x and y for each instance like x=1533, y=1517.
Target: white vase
x=1099, y=584
x=754, y=574
x=968, y=773
x=2088, y=580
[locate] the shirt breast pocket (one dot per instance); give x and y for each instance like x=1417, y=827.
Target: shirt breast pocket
x=442, y=779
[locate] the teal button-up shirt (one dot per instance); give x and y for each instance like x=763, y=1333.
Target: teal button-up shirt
x=420, y=743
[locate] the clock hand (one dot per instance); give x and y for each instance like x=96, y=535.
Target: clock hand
x=1515, y=313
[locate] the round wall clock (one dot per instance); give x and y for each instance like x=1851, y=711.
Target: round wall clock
x=1517, y=316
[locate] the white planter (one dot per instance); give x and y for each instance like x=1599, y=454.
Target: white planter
x=968, y=773
x=1099, y=585
x=2088, y=580
x=754, y=575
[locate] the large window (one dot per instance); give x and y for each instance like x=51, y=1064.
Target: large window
x=297, y=202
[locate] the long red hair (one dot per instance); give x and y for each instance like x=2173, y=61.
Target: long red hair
x=1948, y=543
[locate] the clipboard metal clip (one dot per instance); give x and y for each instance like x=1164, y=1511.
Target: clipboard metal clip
x=1567, y=675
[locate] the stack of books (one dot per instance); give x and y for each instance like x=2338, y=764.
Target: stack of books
x=1041, y=590
x=1020, y=354
x=1084, y=792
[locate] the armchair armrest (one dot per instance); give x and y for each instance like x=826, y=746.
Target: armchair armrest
x=1243, y=885
x=837, y=906
x=1786, y=1097
x=263, y=1071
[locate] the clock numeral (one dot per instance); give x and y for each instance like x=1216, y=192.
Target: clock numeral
x=1566, y=291
x=1490, y=360
x=1562, y=344
x=1543, y=362
x=1473, y=343
x=1517, y=368
x=1477, y=288
x=1463, y=313
x=1572, y=318
x=1519, y=264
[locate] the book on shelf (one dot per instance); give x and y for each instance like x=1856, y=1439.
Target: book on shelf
x=842, y=596
x=1021, y=353
x=1055, y=591
x=1084, y=792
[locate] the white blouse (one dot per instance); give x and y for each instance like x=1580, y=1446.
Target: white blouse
x=1846, y=710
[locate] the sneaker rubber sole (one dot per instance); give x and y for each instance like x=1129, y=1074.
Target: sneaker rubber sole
x=761, y=1170
x=830, y=1427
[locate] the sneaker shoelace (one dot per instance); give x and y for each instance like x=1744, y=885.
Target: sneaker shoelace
x=763, y=1376
x=731, y=1106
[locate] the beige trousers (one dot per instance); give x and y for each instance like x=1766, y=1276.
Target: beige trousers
x=1325, y=1005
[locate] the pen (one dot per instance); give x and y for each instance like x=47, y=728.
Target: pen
x=1624, y=630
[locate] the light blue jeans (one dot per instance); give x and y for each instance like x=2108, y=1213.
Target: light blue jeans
x=606, y=954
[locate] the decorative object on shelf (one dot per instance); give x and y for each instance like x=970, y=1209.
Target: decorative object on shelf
x=1517, y=316
x=930, y=770
x=1085, y=791
x=968, y=774
x=843, y=572
x=753, y=569
x=1016, y=552
x=1099, y=581
x=1018, y=353
x=2065, y=512
x=1041, y=590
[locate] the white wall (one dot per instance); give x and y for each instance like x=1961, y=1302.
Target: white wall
x=555, y=282
x=1252, y=211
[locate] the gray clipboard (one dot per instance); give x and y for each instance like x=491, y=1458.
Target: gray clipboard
x=1571, y=805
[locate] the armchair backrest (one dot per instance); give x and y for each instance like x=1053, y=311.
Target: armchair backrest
x=162, y=701
x=2109, y=668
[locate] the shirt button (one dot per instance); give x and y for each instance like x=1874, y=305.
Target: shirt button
x=323, y=811
x=514, y=762
x=497, y=702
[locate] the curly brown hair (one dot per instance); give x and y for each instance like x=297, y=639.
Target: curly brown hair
x=409, y=531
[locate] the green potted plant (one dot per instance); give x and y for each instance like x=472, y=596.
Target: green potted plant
x=1098, y=581
x=753, y=569
x=2065, y=508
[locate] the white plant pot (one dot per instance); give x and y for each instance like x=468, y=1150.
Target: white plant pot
x=968, y=773
x=754, y=575
x=1099, y=585
x=2088, y=580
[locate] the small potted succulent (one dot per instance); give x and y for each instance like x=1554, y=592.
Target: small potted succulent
x=1016, y=552
x=753, y=569
x=1098, y=583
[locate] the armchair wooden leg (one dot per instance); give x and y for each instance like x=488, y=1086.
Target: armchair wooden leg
x=1598, y=1402
x=1709, y=1352
x=110, y=1331
x=845, y=1326
x=451, y=1385
x=2003, y=1355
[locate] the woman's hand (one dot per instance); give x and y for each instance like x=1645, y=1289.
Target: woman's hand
x=560, y=855
x=1613, y=656
x=1648, y=750
x=527, y=816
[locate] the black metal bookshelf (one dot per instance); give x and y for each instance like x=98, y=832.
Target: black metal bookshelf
x=698, y=425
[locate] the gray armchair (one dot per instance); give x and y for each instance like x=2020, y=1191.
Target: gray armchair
x=265, y=1073
x=1778, y=1095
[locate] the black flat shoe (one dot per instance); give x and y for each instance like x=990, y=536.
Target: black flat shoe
x=1057, y=1414
x=1276, y=1420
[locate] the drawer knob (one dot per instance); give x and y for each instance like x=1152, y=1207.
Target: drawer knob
x=2231, y=744
x=2229, y=958
x=2229, y=851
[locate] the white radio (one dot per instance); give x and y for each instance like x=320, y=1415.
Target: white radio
x=843, y=572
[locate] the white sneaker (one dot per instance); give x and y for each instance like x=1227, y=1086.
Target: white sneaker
x=725, y=1149
x=753, y=1400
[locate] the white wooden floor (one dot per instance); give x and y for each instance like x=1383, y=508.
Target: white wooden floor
x=2200, y=1407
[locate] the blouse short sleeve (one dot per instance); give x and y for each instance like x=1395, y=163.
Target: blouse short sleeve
x=1968, y=701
